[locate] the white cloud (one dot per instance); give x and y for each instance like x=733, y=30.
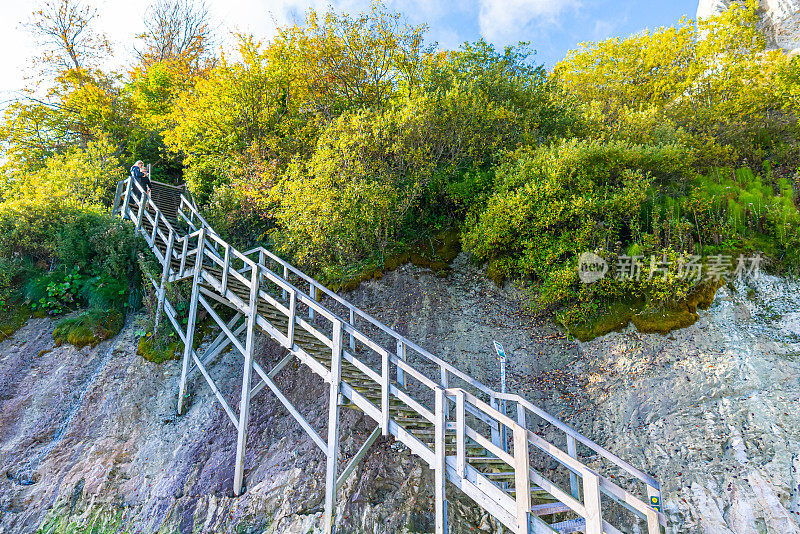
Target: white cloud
x=501, y=19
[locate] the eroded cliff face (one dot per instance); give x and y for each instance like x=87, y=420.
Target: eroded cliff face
x=712, y=410
x=90, y=437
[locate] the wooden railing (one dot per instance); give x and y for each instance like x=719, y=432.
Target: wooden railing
x=454, y=403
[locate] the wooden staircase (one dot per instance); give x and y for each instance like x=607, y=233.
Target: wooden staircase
x=461, y=428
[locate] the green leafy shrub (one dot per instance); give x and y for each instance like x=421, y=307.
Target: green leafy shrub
x=55, y=291
x=554, y=203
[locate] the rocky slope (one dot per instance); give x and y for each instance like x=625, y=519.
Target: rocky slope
x=89, y=437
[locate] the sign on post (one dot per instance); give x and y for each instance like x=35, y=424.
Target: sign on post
x=501, y=354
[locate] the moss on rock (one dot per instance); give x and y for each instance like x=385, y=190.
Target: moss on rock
x=619, y=315
x=89, y=328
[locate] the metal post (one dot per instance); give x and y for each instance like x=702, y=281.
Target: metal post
x=333, y=429
x=353, y=324
x=461, y=437
x=501, y=355
x=244, y=407
x=401, y=354
x=572, y=450
x=188, y=349
x=312, y=292
x=440, y=467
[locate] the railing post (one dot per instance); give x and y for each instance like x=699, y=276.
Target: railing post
x=117, y=197
x=445, y=381
x=127, y=201
x=591, y=500
x=312, y=292
x=226, y=268
x=142, y=207
x=440, y=468
x=162, y=291
x=401, y=355
x=184, y=252
x=522, y=479
x=654, y=498
x=572, y=450
x=155, y=228
x=244, y=406
x=353, y=324
x=285, y=277
x=461, y=435
x=188, y=349
x=333, y=429
x=385, y=392
x=292, y=317
x=495, y=431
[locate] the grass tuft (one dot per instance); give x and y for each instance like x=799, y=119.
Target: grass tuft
x=89, y=328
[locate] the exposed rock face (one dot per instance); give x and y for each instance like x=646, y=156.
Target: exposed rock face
x=780, y=20
x=711, y=410
x=90, y=436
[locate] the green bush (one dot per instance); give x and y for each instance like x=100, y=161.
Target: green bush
x=616, y=198
x=56, y=256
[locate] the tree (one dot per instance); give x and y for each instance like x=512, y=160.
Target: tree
x=343, y=63
x=237, y=115
x=176, y=31
x=63, y=28
x=712, y=78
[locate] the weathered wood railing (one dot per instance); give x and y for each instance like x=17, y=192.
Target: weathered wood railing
x=460, y=409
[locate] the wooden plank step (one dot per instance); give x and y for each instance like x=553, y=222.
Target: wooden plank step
x=570, y=526
x=550, y=508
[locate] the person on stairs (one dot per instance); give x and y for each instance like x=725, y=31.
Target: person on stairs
x=139, y=174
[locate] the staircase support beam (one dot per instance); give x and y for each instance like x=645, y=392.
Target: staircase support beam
x=362, y=452
x=333, y=430
x=244, y=407
x=162, y=290
x=188, y=348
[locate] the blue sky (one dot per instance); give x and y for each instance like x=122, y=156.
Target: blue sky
x=552, y=26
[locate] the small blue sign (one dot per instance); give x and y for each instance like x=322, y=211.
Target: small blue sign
x=502, y=354
x=499, y=348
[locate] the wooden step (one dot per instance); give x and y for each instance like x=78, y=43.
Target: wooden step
x=570, y=526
